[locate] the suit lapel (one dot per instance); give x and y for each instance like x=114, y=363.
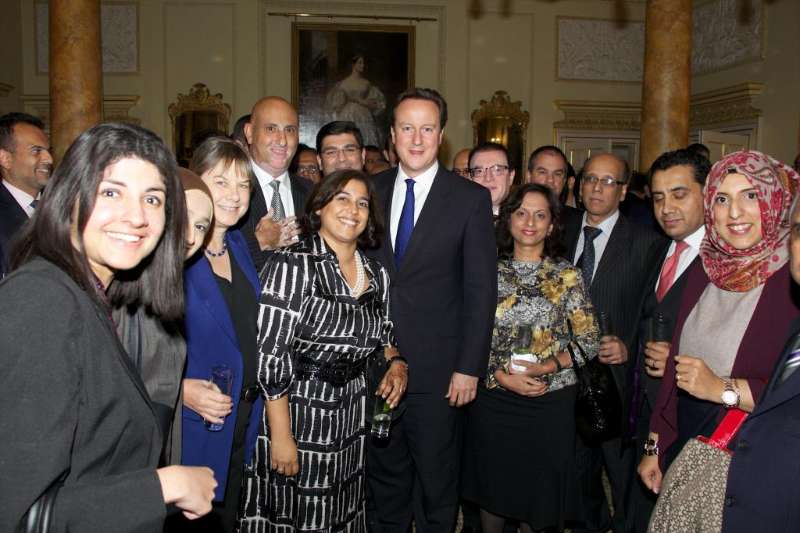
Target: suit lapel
x=571, y=232
x=201, y=279
x=299, y=194
x=435, y=207
x=242, y=257
x=258, y=206
x=615, y=247
x=386, y=192
x=787, y=390
x=10, y=207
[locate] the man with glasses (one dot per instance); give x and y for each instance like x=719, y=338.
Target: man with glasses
x=461, y=163
x=340, y=146
x=615, y=258
x=305, y=164
x=488, y=166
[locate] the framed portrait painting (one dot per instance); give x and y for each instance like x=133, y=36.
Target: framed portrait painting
x=350, y=72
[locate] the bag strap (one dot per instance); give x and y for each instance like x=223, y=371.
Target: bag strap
x=727, y=428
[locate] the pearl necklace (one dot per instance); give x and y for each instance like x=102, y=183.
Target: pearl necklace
x=361, y=277
x=220, y=253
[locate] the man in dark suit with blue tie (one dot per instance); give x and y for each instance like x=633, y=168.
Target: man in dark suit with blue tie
x=440, y=251
x=676, y=184
x=762, y=492
x=25, y=167
x=615, y=257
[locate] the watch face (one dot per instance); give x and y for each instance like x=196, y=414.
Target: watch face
x=730, y=397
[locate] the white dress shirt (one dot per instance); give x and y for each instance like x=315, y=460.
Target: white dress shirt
x=285, y=188
x=688, y=255
x=600, y=242
x=422, y=186
x=23, y=199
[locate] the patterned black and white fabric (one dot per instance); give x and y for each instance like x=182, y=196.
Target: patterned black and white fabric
x=306, y=310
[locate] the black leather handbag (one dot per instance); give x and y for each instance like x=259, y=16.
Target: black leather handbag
x=598, y=407
x=41, y=515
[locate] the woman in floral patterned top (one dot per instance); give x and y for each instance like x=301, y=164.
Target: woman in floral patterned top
x=520, y=441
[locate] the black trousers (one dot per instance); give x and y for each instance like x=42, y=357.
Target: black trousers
x=415, y=473
x=641, y=500
x=618, y=462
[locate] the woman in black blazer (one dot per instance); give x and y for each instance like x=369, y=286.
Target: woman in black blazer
x=109, y=228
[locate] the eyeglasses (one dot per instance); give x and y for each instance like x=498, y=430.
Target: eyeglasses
x=604, y=182
x=463, y=172
x=494, y=170
x=308, y=169
x=331, y=152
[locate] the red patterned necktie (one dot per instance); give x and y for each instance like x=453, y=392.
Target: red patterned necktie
x=669, y=269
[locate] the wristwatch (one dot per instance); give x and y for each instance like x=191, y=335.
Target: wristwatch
x=650, y=447
x=730, y=396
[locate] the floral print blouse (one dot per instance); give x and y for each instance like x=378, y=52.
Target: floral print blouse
x=540, y=297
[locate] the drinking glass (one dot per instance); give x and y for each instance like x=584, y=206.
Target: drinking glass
x=222, y=377
x=381, y=418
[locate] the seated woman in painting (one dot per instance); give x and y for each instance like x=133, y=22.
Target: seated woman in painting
x=356, y=99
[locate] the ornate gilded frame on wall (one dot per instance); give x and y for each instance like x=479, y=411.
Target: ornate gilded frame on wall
x=505, y=122
x=195, y=116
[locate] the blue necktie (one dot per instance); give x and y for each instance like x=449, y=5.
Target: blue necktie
x=406, y=225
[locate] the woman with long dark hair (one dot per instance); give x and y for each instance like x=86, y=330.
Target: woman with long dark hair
x=109, y=227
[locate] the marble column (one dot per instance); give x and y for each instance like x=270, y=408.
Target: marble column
x=76, y=77
x=667, y=77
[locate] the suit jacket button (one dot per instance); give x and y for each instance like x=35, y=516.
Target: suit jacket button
x=742, y=445
x=729, y=501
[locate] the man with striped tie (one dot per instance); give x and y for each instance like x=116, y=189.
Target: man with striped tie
x=278, y=198
x=25, y=167
x=763, y=491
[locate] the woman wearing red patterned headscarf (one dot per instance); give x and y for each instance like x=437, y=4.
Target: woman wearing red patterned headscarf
x=736, y=309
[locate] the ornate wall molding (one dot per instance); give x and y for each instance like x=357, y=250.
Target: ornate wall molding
x=5, y=89
x=596, y=115
x=119, y=29
x=115, y=107
x=200, y=99
x=724, y=107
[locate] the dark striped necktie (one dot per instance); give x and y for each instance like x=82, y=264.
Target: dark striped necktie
x=586, y=260
x=792, y=362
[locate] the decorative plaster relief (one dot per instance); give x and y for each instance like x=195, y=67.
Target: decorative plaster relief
x=119, y=31
x=725, y=34
x=602, y=50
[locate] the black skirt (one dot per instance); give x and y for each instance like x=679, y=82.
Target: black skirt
x=519, y=456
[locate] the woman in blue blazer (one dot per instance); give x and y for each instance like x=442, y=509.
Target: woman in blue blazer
x=221, y=288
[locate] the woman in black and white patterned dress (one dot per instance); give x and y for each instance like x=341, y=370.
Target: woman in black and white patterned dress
x=324, y=309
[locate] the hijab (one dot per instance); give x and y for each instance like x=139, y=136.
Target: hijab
x=775, y=183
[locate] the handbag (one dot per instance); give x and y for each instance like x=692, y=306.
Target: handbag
x=41, y=515
x=692, y=494
x=598, y=407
